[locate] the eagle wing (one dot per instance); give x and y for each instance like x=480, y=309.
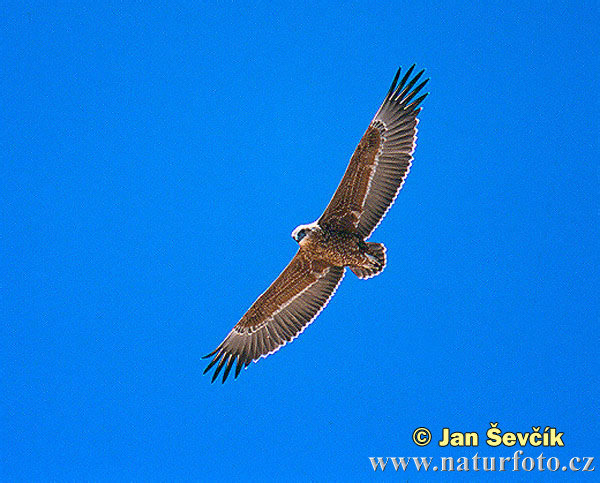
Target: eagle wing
x=279, y=315
x=380, y=162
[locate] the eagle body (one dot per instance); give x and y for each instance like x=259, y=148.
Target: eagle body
x=343, y=249
x=338, y=239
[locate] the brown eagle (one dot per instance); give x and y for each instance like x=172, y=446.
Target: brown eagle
x=337, y=239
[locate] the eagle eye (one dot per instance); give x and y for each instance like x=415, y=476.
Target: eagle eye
x=301, y=234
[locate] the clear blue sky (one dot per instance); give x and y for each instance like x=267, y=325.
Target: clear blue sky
x=155, y=160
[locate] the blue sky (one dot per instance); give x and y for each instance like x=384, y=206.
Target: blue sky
x=155, y=160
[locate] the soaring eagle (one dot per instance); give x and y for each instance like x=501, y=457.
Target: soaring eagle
x=337, y=239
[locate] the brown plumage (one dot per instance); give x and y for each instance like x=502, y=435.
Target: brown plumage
x=337, y=239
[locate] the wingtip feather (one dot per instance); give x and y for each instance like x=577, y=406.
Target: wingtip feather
x=393, y=86
x=405, y=78
x=413, y=105
x=228, y=368
x=212, y=363
x=218, y=369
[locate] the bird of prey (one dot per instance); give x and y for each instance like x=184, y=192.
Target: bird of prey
x=337, y=240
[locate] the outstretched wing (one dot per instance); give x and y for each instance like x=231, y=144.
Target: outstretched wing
x=279, y=315
x=380, y=162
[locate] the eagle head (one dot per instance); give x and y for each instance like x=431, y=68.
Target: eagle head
x=301, y=231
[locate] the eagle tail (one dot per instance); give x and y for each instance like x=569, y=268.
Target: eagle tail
x=375, y=252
